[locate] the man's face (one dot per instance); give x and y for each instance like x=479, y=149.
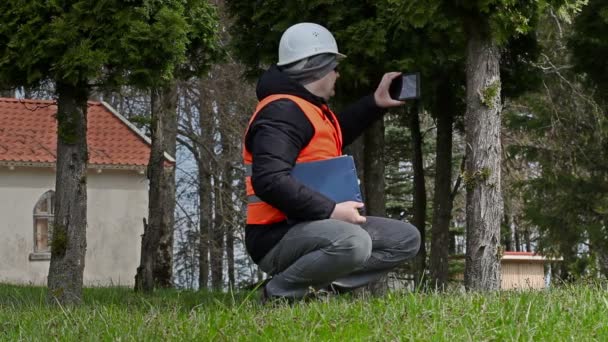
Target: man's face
x=328, y=83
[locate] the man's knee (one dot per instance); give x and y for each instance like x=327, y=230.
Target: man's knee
x=409, y=242
x=355, y=247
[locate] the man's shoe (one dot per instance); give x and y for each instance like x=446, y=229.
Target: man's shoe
x=266, y=299
x=322, y=294
x=313, y=294
x=339, y=289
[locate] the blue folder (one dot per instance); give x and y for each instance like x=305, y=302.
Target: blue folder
x=335, y=178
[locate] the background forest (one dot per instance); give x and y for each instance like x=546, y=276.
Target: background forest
x=550, y=99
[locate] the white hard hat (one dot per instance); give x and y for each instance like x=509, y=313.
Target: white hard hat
x=304, y=40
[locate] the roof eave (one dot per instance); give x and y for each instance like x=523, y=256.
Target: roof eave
x=533, y=258
x=9, y=163
x=134, y=129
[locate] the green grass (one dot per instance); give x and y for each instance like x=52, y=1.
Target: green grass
x=576, y=313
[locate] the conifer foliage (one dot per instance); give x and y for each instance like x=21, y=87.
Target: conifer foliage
x=78, y=45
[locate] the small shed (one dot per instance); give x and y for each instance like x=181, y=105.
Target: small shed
x=519, y=270
x=523, y=270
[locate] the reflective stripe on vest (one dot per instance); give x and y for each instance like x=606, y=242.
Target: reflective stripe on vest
x=325, y=143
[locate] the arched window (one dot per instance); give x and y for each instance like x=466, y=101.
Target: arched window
x=44, y=213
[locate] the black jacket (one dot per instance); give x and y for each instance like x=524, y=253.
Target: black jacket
x=275, y=138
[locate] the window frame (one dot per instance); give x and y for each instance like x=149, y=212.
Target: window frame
x=39, y=254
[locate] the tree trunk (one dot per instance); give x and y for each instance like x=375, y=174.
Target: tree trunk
x=452, y=249
x=164, y=261
x=527, y=239
x=508, y=240
x=512, y=239
x=569, y=253
x=230, y=256
x=204, y=188
x=157, y=241
x=143, y=277
x=357, y=150
x=68, y=245
x=228, y=209
x=419, y=204
x=483, y=156
x=512, y=235
x=442, y=202
x=602, y=258
x=516, y=235
x=7, y=92
x=375, y=202
x=205, y=171
x=217, y=235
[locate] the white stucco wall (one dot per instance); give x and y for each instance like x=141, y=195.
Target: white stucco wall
x=117, y=202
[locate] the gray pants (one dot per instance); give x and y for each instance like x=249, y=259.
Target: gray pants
x=319, y=253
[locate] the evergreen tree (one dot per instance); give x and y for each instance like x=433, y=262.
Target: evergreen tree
x=486, y=26
x=558, y=135
x=589, y=44
x=377, y=37
x=78, y=45
x=431, y=37
x=200, y=49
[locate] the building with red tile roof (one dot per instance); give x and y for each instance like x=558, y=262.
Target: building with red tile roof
x=28, y=136
x=117, y=192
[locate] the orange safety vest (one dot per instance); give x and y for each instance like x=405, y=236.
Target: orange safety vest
x=325, y=143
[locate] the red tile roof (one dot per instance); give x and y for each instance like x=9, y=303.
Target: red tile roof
x=28, y=134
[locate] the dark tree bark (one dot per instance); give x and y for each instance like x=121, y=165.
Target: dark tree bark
x=157, y=241
x=230, y=257
x=357, y=150
x=569, y=253
x=228, y=209
x=508, y=240
x=375, y=201
x=217, y=235
x=4, y=92
x=225, y=97
x=452, y=242
x=419, y=205
x=68, y=245
x=205, y=172
x=144, y=277
x=204, y=181
x=484, y=206
x=528, y=240
x=601, y=251
x=442, y=202
x=517, y=237
x=512, y=237
x=375, y=204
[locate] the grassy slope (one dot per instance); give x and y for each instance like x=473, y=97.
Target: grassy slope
x=572, y=313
